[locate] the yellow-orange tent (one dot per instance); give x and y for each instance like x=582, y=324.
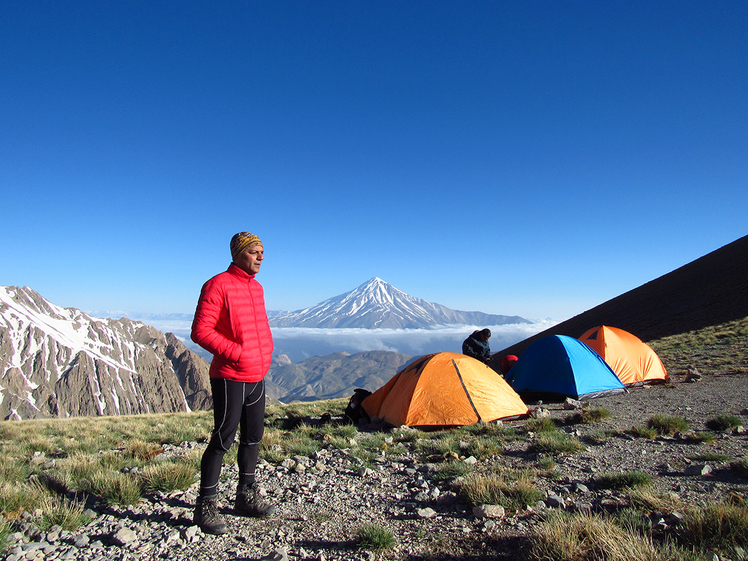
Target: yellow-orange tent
x=633, y=361
x=444, y=389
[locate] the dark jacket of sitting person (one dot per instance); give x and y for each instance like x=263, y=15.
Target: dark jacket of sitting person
x=476, y=345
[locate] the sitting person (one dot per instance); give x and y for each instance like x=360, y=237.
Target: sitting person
x=476, y=345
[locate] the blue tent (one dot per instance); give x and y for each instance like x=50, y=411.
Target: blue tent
x=558, y=366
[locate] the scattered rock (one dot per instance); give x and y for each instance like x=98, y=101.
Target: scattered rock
x=427, y=512
x=698, y=469
x=581, y=488
x=278, y=554
x=489, y=511
x=692, y=374
x=570, y=404
x=124, y=536
x=583, y=506
x=554, y=501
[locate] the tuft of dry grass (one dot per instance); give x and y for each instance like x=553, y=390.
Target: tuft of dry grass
x=167, y=477
x=499, y=489
x=717, y=525
x=643, y=498
x=592, y=537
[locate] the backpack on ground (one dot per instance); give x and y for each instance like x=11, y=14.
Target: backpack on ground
x=354, y=412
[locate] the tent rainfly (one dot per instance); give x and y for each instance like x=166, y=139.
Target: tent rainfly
x=634, y=362
x=444, y=389
x=558, y=366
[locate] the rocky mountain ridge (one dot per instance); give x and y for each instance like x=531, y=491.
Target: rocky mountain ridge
x=377, y=304
x=60, y=362
x=332, y=376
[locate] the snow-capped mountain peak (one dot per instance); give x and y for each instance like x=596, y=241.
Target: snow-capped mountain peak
x=377, y=304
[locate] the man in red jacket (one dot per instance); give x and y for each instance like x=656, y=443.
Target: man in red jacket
x=232, y=324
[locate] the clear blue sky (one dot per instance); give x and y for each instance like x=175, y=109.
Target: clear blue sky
x=530, y=157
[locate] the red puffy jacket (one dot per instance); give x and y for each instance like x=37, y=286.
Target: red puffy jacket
x=231, y=323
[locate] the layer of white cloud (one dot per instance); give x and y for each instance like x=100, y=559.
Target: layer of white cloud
x=302, y=343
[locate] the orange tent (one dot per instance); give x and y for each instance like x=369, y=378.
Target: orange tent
x=633, y=361
x=444, y=389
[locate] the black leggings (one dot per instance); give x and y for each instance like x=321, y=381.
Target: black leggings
x=235, y=404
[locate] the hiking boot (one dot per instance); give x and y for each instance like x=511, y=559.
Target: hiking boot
x=207, y=516
x=249, y=503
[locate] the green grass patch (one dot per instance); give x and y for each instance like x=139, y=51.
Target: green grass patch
x=433, y=448
x=643, y=432
x=116, y=488
x=556, y=443
x=449, y=470
x=499, y=433
x=703, y=437
x=481, y=447
x=667, y=425
x=588, y=416
x=167, y=477
x=546, y=466
x=713, y=457
x=724, y=422
x=633, y=520
x=544, y=424
x=626, y=480
x=374, y=537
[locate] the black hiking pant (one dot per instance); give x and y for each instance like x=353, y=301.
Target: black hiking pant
x=235, y=405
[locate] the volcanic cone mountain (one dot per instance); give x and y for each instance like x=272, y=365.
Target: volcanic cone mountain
x=377, y=304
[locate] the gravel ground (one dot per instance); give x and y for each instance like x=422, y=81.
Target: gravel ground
x=319, y=514
x=324, y=499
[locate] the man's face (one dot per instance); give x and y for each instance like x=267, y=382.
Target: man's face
x=250, y=260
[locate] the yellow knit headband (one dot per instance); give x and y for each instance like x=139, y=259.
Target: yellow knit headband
x=241, y=242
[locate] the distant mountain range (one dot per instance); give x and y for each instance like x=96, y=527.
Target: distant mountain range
x=331, y=376
x=377, y=304
x=61, y=362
